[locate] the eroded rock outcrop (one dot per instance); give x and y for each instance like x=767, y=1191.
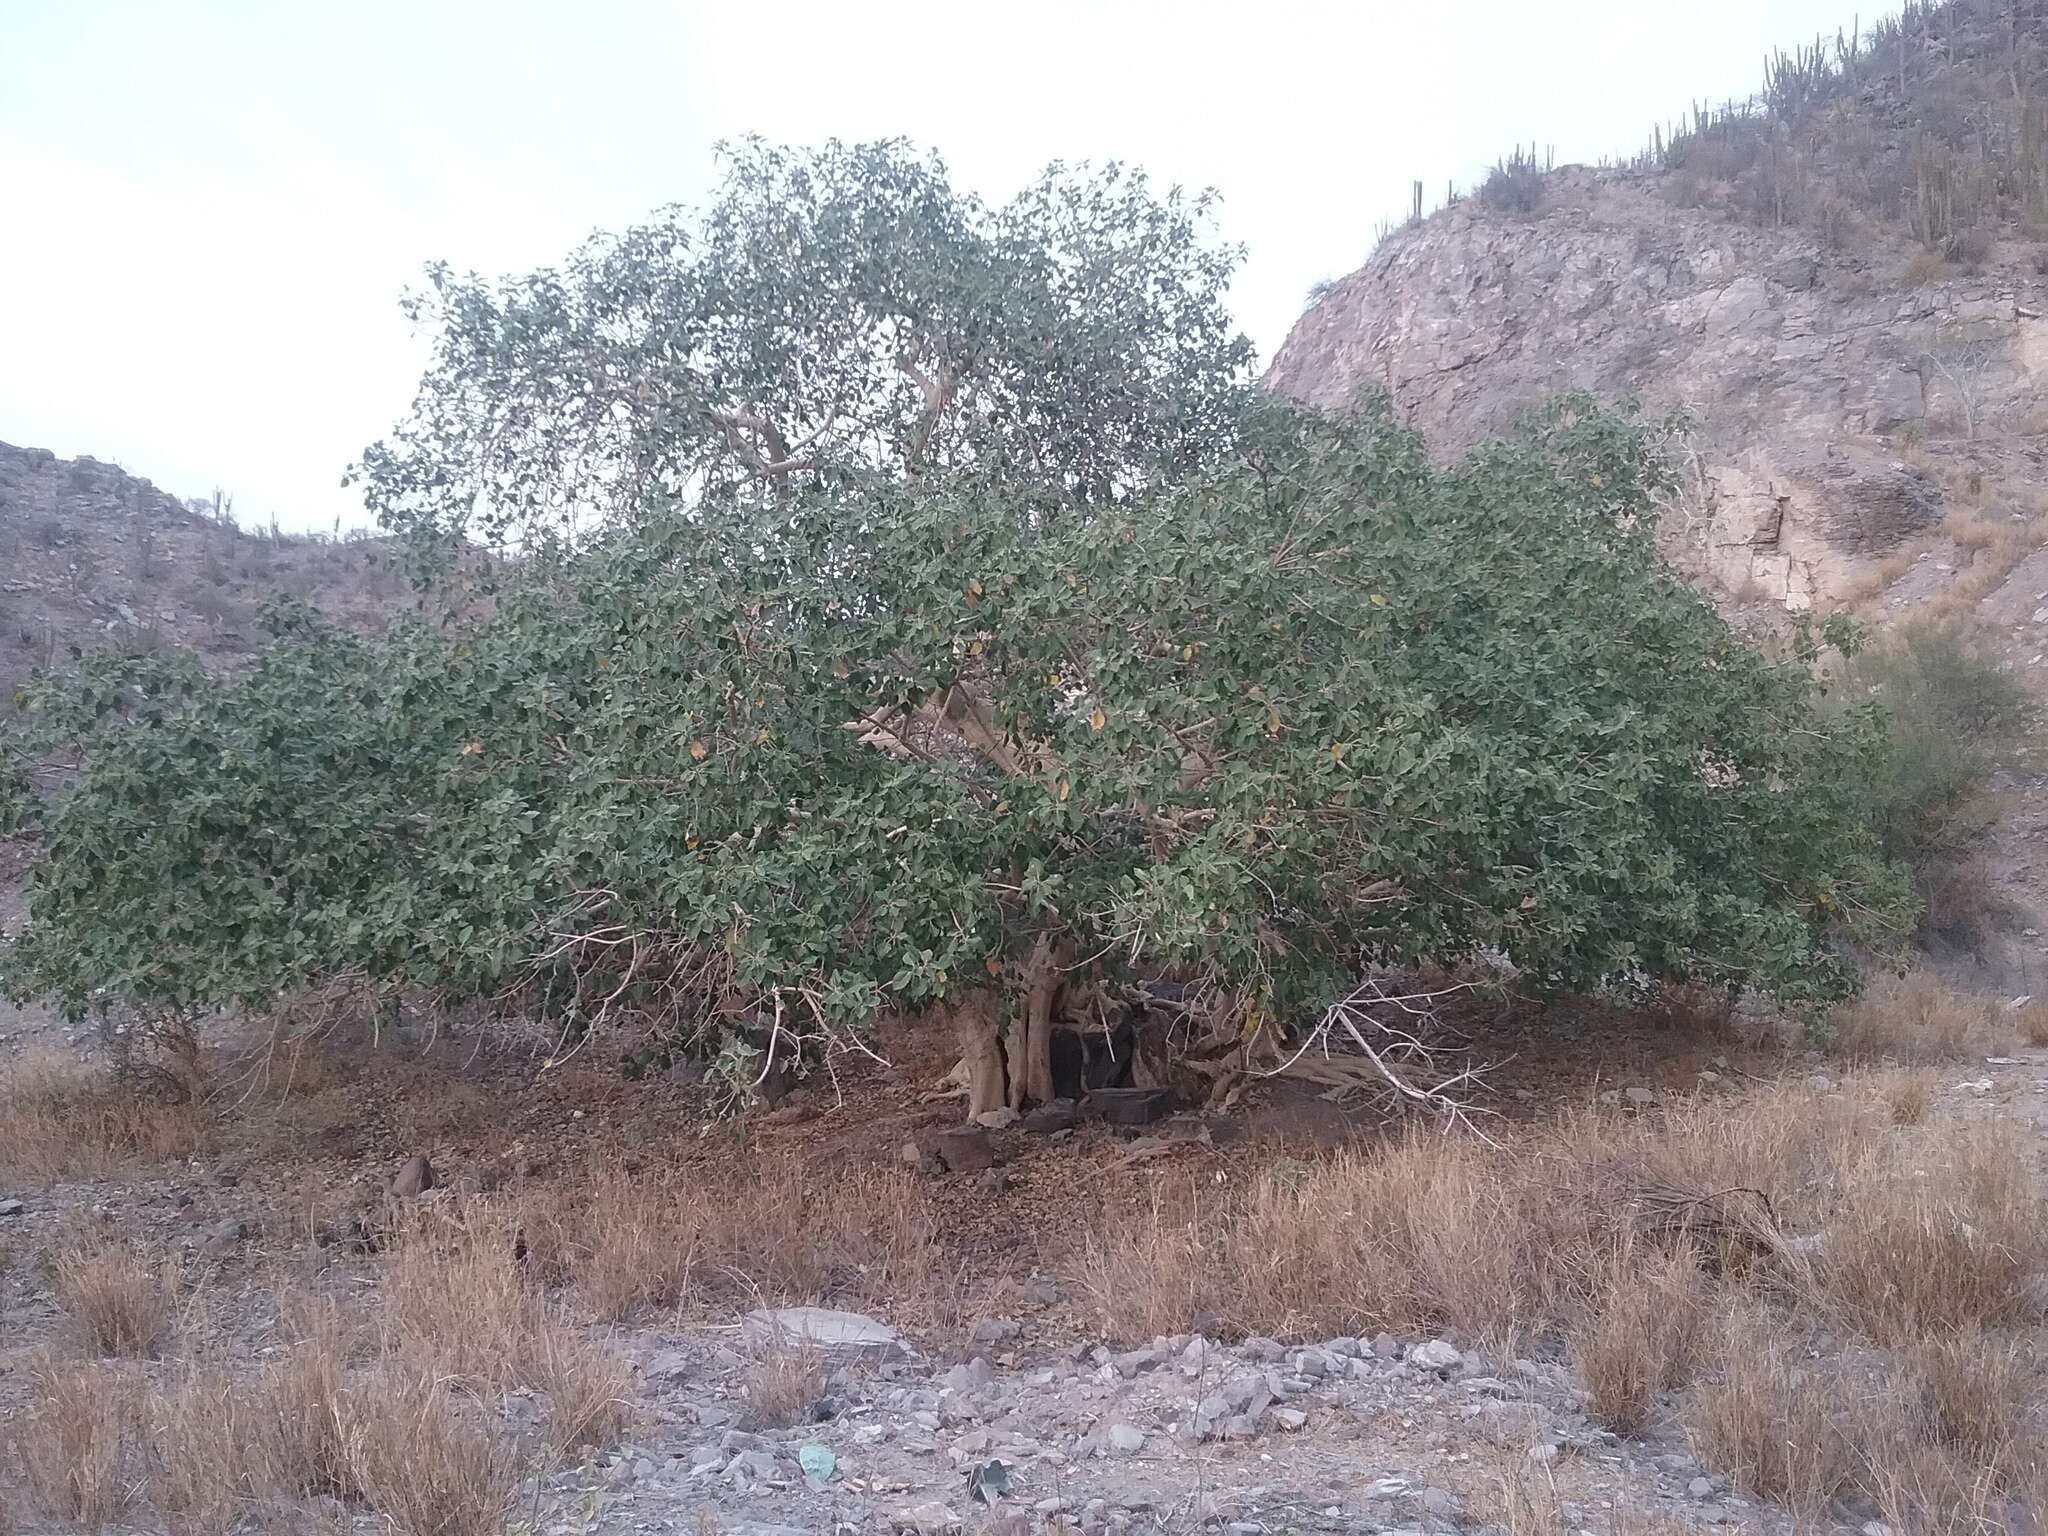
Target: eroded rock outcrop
x=1833, y=390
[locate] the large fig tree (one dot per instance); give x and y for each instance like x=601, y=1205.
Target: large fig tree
x=910, y=602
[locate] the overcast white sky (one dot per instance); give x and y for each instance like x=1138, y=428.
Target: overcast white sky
x=208, y=210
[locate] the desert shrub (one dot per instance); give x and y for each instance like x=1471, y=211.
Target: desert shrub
x=1514, y=184
x=837, y=711
x=1950, y=715
x=1929, y=121
x=1971, y=247
x=1925, y=267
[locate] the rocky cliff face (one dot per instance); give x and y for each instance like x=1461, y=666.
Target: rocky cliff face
x=1840, y=395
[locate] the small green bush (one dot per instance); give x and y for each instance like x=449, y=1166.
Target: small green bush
x=1950, y=715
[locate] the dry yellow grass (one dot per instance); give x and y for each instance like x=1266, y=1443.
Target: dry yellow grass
x=1935, y=1236
x=427, y=1459
x=203, y=1434
x=62, y=1119
x=783, y=1381
x=454, y=1293
x=1941, y=1438
x=1914, y=1018
x=122, y=1302
x=76, y=1439
x=626, y=1245
x=1491, y=1240
x=1908, y=1095
x=1767, y=1418
x=1641, y=1333
x=2032, y=1024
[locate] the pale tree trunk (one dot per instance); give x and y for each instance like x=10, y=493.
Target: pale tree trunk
x=1031, y=1048
x=974, y=1020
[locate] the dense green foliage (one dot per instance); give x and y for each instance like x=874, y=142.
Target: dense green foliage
x=1193, y=682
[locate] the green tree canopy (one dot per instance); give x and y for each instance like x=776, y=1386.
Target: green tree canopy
x=1102, y=658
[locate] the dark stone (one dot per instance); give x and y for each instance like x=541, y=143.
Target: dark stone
x=1055, y=1115
x=1128, y=1106
x=415, y=1177
x=1794, y=272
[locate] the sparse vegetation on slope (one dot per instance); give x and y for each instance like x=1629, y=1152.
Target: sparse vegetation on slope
x=1935, y=120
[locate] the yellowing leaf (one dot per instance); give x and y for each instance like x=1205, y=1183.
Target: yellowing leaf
x=472, y=748
x=1337, y=751
x=1596, y=482
x=1187, y=653
x=763, y=736
x=1378, y=601
x=974, y=649
x=699, y=751
x=993, y=966
x=839, y=666
x=690, y=841
x=1272, y=723
x=1097, y=720
x=1066, y=789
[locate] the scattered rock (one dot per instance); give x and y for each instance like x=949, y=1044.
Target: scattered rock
x=1700, y=1488
x=1437, y=1355
x=839, y=1336
x=1386, y=1347
x=996, y=1330
x=1001, y=1118
x=1126, y=1439
x=987, y=1483
x=933, y=1519
x=921, y=1158
x=1137, y=1361
x=817, y=1464
x=11, y=1208
x=969, y=1376
x=1128, y=1106
x=1290, y=1419
x=1053, y=1115
x=1640, y=1096
x=750, y=1467
x=414, y=1178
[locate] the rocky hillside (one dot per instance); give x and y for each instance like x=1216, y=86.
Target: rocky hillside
x=90, y=553
x=1848, y=401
